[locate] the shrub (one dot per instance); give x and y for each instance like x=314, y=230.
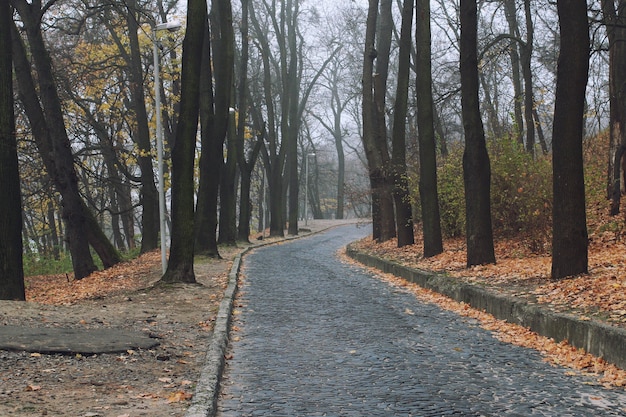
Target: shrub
x=521, y=192
x=451, y=193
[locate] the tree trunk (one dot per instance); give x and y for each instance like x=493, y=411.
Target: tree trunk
x=11, y=266
x=180, y=266
x=529, y=102
x=245, y=167
x=228, y=189
x=275, y=182
x=149, y=194
x=369, y=114
x=510, y=12
x=222, y=17
x=384, y=180
x=476, y=168
x=54, y=235
x=569, y=238
x=401, y=196
x=341, y=175
x=212, y=134
x=433, y=241
x=51, y=136
x=615, y=22
x=374, y=135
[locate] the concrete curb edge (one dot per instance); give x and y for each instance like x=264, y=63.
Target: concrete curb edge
x=594, y=337
x=204, y=403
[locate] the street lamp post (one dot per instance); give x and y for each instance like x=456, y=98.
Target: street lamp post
x=306, y=188
x=159, y=133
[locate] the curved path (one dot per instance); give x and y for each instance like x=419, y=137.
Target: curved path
x=317, y=337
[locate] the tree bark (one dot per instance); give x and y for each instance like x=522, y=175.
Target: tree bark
x=433, y=241
x=382, y=173
x=228, y=188
x=615, y=22
x=212, y=134
x=510, y=12
x=569, y=238
x=401, y=196
x=11, y=266
x=525, y=58
x=245, y=167
x=149, y=194
x=374, y=135
x=180, y=266
x=476, y=168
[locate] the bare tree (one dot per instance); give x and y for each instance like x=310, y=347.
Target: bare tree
x=180, y=265
x=476, y=167
x=402, y=200
x=433, y=242
x=374, y=128
x=569, y=236
x=11, y=267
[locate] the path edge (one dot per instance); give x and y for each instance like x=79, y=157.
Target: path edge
x=599, y=339
x=204, y=402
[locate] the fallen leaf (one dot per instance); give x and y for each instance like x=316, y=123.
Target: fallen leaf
x=178, y=397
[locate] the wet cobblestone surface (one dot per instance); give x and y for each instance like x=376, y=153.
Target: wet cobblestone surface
x=317, y=337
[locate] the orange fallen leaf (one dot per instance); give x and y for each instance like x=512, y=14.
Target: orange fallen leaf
x=178, y=397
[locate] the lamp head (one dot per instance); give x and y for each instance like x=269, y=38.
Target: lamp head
x=171, y=26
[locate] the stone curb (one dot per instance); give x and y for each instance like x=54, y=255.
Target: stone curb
x=595, y=337
x=204, y=401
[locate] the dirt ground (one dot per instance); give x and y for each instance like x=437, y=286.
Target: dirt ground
x=157, y=382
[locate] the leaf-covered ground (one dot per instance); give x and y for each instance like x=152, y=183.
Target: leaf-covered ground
x=519, y=271
x=158, y=382
x=63, y=289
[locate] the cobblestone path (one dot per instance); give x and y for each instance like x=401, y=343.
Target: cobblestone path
x=318, y=337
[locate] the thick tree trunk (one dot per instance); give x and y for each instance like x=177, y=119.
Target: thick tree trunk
x=222, y=17
x=476, y=168
x=277, y=220
x=228, y=189
x=569, y=238
x=212, y=133
x=11, y=266
x=401, y=196
x=433, y=241
x=180, y=266
x=382, y=172
x=374, y=133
